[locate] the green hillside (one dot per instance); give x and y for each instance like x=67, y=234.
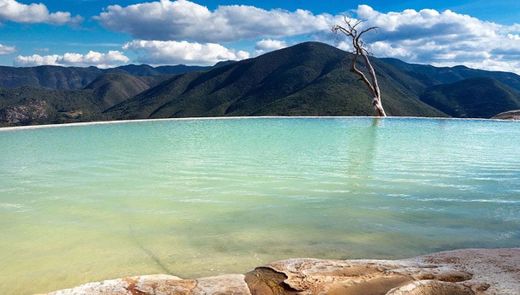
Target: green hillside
x=147, y=70
x=113, y=88
x=307, y=79
x=73, y=78
x=50, y=77
x=29, y=106
x=472, y=98
x=430, y=75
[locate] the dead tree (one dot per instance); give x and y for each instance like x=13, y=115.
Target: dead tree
x=351, y=31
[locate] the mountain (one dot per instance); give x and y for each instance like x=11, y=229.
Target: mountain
x=472, y=98
x=29, y=106
x=73, y=78
x=146, y=70
x=50, y=77
x=430, y=75
x=307, y=79
x=113, y=88
x=53, y=94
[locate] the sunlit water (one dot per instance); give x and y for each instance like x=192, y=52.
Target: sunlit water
x=204, y=197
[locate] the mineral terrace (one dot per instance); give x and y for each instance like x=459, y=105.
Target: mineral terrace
x=459, y=272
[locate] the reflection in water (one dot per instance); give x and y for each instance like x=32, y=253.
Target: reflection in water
x=377, y=121
x=361, y=156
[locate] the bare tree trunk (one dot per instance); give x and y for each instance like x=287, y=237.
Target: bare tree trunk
x=359, y=50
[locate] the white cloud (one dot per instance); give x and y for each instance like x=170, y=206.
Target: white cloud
x=185, y=20
x=4, y=49
x=11, y=10
x=36, y=60
x=441, y=38
x=424, y=36
x=92, y=58
x=182, y=52
x=266, y=45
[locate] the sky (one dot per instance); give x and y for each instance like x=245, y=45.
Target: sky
x=108, y=33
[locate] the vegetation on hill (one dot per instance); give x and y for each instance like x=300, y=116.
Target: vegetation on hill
x=113, y=88
x=306, y=79
x=472, y=98
x=29, y=106
x=73, y=78
x=50, y=77
x=146, y=70
x=430, y=75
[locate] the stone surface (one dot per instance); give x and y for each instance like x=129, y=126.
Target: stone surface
x=221, y=285
x=509, y=115
x=431, y=287
x=460, y=272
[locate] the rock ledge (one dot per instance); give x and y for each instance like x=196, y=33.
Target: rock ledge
x=459, y=272
x=509, y=115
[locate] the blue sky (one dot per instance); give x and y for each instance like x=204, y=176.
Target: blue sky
x=481, y=34
x=503, y=11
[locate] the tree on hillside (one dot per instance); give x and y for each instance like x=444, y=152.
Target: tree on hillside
x=351, y=31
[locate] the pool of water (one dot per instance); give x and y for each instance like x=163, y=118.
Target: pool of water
x=204, y=197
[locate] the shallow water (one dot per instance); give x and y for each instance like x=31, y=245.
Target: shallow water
x=203, y=197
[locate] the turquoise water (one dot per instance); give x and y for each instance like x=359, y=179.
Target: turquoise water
x=203, y=197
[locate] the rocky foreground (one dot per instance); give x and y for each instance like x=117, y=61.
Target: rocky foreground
x=459, y=272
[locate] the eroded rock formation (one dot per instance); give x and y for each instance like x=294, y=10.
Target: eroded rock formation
x=460, y=272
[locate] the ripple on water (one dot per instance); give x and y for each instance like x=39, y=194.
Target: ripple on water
x=13, y=207
x=120, y=199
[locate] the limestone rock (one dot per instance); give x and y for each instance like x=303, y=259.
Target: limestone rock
x=460, y=272
x=221, y=285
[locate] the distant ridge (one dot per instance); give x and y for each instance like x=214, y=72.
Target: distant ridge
x=310, y=78
x=50, y=77
x=146, y=70
x=113, y=88
x=472, y=98
x=73, y=78
x=430, y=75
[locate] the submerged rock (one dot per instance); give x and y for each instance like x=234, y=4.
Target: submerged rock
x=460, y=272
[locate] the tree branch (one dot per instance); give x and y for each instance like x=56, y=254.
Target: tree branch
x=359, y=50
x=361, y=75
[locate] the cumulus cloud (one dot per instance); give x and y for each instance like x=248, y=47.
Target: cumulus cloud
x=181, y=31
x=425, y=36
x=4, y=49
x=11, y=10
x=185, y=20
x=182, y=52
x=443, y=38
x=266, y=45
x=92, y=58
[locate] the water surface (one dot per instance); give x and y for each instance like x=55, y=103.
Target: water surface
x=204, y=197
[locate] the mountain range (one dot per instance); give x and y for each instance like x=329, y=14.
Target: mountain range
x=310, y=78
